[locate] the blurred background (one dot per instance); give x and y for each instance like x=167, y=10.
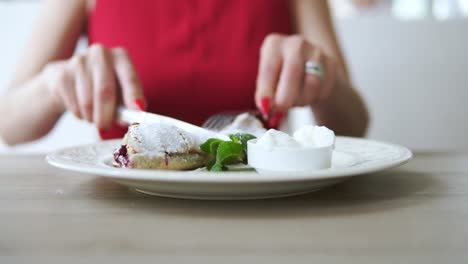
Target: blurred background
x=407, y=57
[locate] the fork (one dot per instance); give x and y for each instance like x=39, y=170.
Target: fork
x=221, y=120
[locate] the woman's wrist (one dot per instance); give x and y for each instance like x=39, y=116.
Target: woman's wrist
x=51, y=101
x=343, y=110
x=30, y=99
x=339, y=89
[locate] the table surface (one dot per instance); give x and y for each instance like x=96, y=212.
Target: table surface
x=417, y=213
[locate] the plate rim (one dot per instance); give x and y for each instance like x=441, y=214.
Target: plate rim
x=224, y=177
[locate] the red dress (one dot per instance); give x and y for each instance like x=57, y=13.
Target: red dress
x=194, y=57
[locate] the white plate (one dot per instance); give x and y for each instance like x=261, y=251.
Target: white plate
x=352, y=156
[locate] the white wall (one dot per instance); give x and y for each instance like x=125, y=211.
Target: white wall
x=413, y=75
x=15, y=20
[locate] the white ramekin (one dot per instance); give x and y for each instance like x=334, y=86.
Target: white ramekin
x=288, y=159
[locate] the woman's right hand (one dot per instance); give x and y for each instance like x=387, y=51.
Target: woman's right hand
x=92, y=84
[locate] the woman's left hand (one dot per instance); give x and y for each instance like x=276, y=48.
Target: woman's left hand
x=282, y=81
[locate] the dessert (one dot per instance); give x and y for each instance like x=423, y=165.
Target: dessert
x=159, y=146
x=162, y=146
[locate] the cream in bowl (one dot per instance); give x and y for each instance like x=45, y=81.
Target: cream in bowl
x=310, y=148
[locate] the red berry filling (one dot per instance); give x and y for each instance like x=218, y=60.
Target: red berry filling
x=121, y=156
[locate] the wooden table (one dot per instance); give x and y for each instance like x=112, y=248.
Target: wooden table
x=415, y=214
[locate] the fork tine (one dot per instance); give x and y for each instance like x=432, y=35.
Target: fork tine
x=221, y=120
x=221, y=123
x=211, y=122
x=218, y=122
x=228, y=119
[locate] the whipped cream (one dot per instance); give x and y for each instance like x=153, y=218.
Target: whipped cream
x=277, y=139
x=314, y=136
x=306, y=136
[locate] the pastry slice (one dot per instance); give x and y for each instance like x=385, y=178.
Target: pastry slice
x=159, y=146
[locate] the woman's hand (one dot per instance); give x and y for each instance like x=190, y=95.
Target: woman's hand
x=91, y=85
x=282, y=82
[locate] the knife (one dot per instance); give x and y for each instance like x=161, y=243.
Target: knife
x=201, y=134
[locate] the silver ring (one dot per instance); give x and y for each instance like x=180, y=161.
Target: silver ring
x=314, y=68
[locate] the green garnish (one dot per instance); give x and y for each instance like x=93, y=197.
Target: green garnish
x=241, y=139
x=226, y=152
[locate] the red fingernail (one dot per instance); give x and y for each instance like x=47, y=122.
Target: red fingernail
x=140, y=104
x=275, y=120
x=116, y=131
x=116, y=124
x=265, y=104
x=104, y=131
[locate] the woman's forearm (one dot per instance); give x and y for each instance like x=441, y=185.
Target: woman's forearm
x=28, y=112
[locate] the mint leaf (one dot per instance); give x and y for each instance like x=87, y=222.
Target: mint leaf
x=211, y=146
x=218, y=167
x=210, y=164
x=234, y=138
x=229, y=152
x=241, y=138
x=226, y=152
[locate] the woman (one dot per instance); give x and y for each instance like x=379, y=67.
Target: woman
x=188, y=59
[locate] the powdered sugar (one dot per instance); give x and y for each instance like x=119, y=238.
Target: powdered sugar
x=157, y=139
